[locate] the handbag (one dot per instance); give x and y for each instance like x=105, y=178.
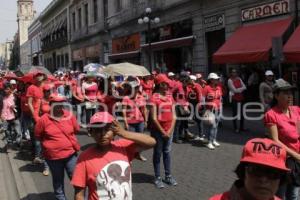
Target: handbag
x=75, y=145
x=208, y=118
x=294, y=166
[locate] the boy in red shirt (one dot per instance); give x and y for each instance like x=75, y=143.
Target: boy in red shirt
x=105, y=168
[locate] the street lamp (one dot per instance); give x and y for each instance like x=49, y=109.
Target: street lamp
x=148, y=19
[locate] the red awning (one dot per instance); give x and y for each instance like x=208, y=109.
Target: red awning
x=251, y=43
x=173, y=43
x=291, y=49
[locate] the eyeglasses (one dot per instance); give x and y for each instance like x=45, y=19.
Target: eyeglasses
x=260, y=171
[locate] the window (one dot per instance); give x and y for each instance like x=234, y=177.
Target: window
x=74, y=21
x=118, y=5
x=79, y=19
x=95, y=11
x=105, y=7
x=86, y=12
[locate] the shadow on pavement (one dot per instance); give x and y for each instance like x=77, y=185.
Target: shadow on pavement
x=85, y=147
x=142, y=178
x=43, y=196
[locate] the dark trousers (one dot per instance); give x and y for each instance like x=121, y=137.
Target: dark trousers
x=237, y=113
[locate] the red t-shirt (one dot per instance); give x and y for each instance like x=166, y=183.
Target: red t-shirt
x=37, y=94
x=133, y=112
x=226, y=196
x=24, y=105
x=56, y=145
x=213, y=97
x=287, y=127
x=164, y=106
x=45, y=106
x=147, y=87
x=107, y=175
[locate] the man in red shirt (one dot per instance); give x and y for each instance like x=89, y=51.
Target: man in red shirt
x=34, y=95
x=105, y=167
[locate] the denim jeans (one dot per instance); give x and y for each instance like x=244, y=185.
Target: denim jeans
x=138, y=127
x=26, y=124
x=13, y=132
x=212, y=130
x=57, y=168
x=288, y=192
x=163, y=146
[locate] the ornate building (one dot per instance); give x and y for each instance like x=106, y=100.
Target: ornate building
x=24, y=18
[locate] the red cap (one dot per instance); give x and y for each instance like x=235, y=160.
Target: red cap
x=57, y=98
x=162, y=78
x=265, y=152
x=102, y=117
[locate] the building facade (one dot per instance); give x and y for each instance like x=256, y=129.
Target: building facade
x=5, y=54
x=55, y=35
x=24, y=18
x=34, y=36
x=189, y=32
x=25, y=54
x=88, y=32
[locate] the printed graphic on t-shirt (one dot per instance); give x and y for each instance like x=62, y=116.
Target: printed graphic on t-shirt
x=114, y=181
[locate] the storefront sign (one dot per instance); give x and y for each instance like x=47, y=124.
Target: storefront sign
x=93, y=51
x=126, y=44
x=213, y=23
x=78, y=54
x=266, y=10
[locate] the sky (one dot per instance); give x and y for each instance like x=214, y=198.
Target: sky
x=8, y=17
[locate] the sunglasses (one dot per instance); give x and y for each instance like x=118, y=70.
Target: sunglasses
x=260, y=171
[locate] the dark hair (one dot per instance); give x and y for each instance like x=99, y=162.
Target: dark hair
x=240, y=171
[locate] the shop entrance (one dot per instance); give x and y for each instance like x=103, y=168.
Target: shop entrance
x=214, y=40
x=174, y=60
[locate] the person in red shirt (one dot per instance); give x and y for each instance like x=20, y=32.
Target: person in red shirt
x=194, y=96
x=163, y=118
x=260, y=172
x=236, y=97
x=213, y=103
x=45, y=102
x=34, y=95
x=147, y=86
x=104, y=169
x=283, y=122
x=56, y=132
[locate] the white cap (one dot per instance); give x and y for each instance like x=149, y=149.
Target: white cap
x=269, y=73
x=171, y=74
x=213, y=76
x=12, y=82
x=193, y=77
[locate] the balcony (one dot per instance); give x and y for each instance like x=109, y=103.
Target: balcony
x=55, y=44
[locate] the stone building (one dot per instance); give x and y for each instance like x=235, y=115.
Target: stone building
x=5, y=53
x=34, y=36
x=55, y=35
x=88, y=32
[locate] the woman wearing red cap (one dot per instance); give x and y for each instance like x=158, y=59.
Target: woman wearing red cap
x=283, y=121
x=163, y=122
x=56, y=131
x=213, y=103
x=104, y=169
x=261, y=170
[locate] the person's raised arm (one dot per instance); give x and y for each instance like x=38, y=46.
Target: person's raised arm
x=79, y=193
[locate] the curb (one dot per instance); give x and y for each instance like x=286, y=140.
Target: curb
x=25, y=186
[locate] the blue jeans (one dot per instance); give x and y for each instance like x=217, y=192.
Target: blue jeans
x=57, y=168
x=288, y=192
x=13, y=132
x=138, y=127
x=212, y=130
x=163, y=146
x=26, y=123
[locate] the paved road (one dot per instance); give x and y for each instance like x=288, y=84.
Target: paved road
x=200, y=172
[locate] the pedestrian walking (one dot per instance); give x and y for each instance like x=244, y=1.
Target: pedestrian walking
x=282, y=122
x=56, y=132
x=212, y=94
x=104, y=169
x=163, y=122
x=260, y=172
x=236, y=97
x=266, y=91
x=10, y=122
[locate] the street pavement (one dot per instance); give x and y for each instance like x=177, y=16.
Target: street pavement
x=200, y=172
